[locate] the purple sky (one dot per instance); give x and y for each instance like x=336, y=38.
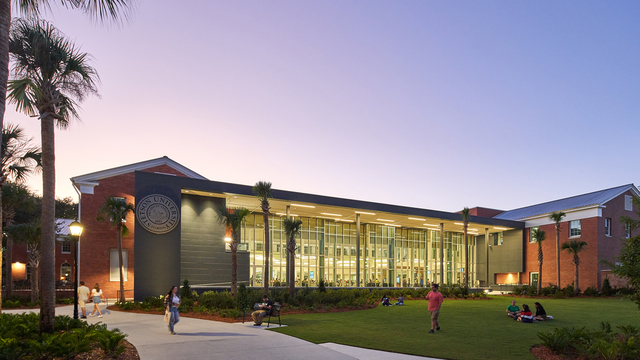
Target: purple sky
x=437, y=105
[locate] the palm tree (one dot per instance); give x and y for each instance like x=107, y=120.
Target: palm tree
x=233, y=219
x=115, y=210
x=29, y=233
x=539, y=236
x=262, y=190
x=49, y=75
x=292, y=229
x=557, y=216
x=574, y=247
x=99, y=9
x=465, y=226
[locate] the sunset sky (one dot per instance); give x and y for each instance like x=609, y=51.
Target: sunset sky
x=437, y=105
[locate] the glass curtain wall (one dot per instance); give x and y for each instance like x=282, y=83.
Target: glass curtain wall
x=326, y=249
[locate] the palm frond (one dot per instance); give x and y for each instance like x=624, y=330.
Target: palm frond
x=557, y=216
x=262, y=190
x=465, y=215
x=539, y=235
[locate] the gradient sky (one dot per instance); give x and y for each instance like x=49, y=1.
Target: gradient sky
x=437, y=105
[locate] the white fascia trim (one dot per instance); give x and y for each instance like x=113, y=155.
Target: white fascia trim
x=98, y=175
x=85, y=187
x=575, y=214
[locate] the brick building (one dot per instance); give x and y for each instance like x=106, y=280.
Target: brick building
x=344, y=242
x=593, y=218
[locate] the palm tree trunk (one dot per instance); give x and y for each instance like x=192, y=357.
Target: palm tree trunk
x=558, y=253
x=292, y=267
x=8, y=286
x=48, y=257
x=576, y=286
x=34, y=284
x=5, y=26
x=235, y=235
x=267, y=250
x=466, y=258
x=539, y=267
x=120, y=262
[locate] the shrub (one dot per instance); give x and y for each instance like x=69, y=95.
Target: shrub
x=186, y=292
x=321, y=286
x=568, y=291
x=111, y=342
x=212, y=299
x=591, y=291
x=19, y=337
x=607, y=290
x=153, y=302
x=11, y=304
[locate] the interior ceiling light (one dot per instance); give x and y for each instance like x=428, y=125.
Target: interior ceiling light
x=307, y=206
x=438, y=226
x=283, y=214
x=386, y=220
x=364, y=213
x=500, y=228
x=343, y=220
x=461, y=224
x=331, y=214
x=419, y=219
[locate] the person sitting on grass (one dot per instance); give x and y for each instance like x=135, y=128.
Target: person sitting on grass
x=541, y=315
x=513, y=311
x=526, y=316
x=400, y=300
x=385, y=300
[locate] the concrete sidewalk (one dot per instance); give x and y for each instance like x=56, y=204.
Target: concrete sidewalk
x=203, y=339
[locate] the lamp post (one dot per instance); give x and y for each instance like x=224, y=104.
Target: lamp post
x=75, y=229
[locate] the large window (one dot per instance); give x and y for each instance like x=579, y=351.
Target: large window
x=498, y=238
x=114, y=274
x=628, y=203
x=574, y=228
x=66, y=247
x=607, y=226
x=532, y=239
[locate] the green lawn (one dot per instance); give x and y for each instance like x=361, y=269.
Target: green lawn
x=471, y=329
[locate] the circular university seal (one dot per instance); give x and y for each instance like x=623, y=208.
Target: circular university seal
x=157, y=214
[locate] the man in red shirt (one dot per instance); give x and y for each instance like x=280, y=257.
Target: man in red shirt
x=435, y=301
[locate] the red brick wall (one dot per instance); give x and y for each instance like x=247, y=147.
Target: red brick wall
x=99, y=237
x=589, y=257
x=609, y=246
x=20, y=255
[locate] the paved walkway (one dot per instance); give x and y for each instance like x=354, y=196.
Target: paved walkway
x=203, y=339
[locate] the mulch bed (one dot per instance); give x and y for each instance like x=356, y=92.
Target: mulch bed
x=544, y=353
x=131, y=353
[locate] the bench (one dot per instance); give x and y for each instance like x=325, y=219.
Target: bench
x=275, y=312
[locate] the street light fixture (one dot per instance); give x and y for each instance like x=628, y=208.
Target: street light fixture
x=75, y=229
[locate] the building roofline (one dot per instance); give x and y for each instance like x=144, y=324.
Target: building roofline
x=120, y=170
x=221, y=187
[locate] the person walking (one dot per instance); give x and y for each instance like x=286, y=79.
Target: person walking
x=96, y=294
x=171, y=303
x=83, y=297
x=435, y=299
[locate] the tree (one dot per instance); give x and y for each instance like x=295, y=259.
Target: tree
x=99, y=9
x=574, y=247
x=465, y=226
x=262, y=190
x=292, y=229
x=233, y=219
x=539, y=236
x=627, y=264
x=49, y=76
x=557, y=216
x=19, y=158
x=29, y=233
x=115, y=210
